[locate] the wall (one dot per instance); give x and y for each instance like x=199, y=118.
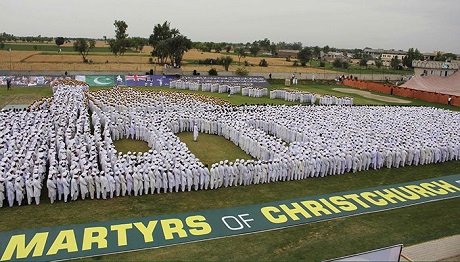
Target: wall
x=403, y=92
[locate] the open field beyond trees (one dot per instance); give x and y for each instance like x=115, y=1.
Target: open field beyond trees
x=31, y=57
x=317, y=241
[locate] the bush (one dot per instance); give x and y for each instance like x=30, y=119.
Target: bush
x=246, y=63
x=303, y=63
x=150, y=60
x=263, y=63
x=322, y=64
x=212, y=72
x=210, y=61
x=241, y=71
x=296, y=63
x=337, y=63
x=345, y=65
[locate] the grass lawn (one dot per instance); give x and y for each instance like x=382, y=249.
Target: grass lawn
x=22, y=95
x=211, y=149
x=131, y=145
x=317, y=241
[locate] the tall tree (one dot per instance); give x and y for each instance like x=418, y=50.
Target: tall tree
x=178, y=45
x=161, y=33
x=304, y=55
x=316, y=52
x=226, y=62
x=59, y=41
x=241, y=52
x=273, y=49
x=120, y=44
x=265, y=44
x=412, y=54
x=83, y=46
x=394, y=63
x=254, y=49
x=120, y=29
x=137, y=43
x=363, y=62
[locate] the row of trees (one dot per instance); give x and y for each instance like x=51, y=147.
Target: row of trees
x=259, y=46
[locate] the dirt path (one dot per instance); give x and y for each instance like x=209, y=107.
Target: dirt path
x=368, y=94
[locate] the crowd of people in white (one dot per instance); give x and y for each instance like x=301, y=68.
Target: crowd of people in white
x=65, y=143
x=287, y=95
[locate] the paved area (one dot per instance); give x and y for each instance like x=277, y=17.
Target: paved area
x=445, y=249
x=14, y=107
x=372, y=96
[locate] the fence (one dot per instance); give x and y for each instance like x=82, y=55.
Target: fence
x=403, y=92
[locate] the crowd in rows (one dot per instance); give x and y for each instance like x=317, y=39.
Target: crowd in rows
x=65, y=143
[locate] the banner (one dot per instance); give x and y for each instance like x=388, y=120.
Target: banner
x=99, y=238
x=148, y=80
x=100, y=80
x=32, y=80
x=229, y=80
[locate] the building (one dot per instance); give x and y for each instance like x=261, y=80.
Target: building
x=288, y=53
x=438, y=68
x=385, y=55
x=331, y=56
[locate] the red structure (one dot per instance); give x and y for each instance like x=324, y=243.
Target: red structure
x=403, y=92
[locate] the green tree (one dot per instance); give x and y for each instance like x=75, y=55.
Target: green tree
x=273, y=49
x=59, y=41
x=226, y=61
x=363, y=62
x=326, y=49
x=161, y=51
x=83, y=47
x=178, y=45
x=265, y=44
x=241, y=71
x=445, y=57
x=394, y=63
x=304, y=55
x=120, y=44
x=263, y=63
x=212, y=72
x=241, y=52
x=2, y=42
x=316, y=52
x=254, y=49
x=378, y=63
x=412, y=54
x=337, y=63
x=161, y=39
x=138, y=43
x=120, y=29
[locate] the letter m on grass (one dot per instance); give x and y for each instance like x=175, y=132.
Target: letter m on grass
x=18, y=244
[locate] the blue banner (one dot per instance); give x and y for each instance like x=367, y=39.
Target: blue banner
x=148, y=80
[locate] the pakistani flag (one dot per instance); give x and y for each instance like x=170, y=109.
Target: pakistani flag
x=100, y=80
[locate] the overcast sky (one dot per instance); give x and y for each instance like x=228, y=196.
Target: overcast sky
x=390, y=24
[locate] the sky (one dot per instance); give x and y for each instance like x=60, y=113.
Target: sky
x=429, y=25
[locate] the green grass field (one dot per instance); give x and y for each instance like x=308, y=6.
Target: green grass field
x=313, y=242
